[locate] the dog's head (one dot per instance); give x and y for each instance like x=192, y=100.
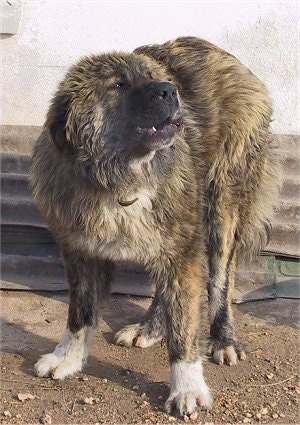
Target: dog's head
x=119, y=105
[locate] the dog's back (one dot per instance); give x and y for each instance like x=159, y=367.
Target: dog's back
x=230, y=112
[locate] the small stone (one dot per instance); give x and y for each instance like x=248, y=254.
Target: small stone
x=270, y=376
x=89, y=400
x=46, y=419
x=171, y=419
x=193, y=416
x=246, y=421
x=18, y=416
x=160, y=397
x=186, y=418
x=143, y=395
x=104, y=381
x=274, y=416
x=7, y=413
x=282, y=415
x=258, y=415
x=135, y=387
x=248, y=415
x=274, y=404
x=25, y=396
x=264, y=411
x=126, y=380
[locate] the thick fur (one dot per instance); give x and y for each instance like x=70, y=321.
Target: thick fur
x=161, y=156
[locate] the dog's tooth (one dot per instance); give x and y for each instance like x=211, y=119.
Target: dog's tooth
x=154, y=129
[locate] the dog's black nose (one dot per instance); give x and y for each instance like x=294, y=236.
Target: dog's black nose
x=166, y=90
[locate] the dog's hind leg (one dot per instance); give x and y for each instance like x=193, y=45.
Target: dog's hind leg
x=146, y=333
x=225, y=347
x=222, y=251
x=88, y=278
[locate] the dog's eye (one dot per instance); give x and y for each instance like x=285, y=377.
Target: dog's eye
x=121, y=85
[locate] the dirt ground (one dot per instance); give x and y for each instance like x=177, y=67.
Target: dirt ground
x=121, y=385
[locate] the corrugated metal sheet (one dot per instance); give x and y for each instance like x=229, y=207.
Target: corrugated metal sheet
x=30, y=257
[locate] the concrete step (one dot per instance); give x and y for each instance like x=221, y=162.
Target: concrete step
x=291, y=189
x=20, y=211
x=15, y=163
x=15, y=186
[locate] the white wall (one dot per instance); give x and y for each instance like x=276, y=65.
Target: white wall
x=54, y=34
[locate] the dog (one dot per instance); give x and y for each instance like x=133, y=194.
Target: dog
x=161, y=156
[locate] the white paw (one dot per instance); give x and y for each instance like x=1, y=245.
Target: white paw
x=68, y=357
x=131, y=336
x=228, y=356
x=57, y=367
x=188, y=389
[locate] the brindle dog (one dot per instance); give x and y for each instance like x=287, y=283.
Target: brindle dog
x=161, y=156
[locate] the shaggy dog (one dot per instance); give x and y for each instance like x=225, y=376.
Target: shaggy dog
x=161, y=156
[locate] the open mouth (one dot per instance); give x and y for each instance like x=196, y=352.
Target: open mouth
x=163, y=131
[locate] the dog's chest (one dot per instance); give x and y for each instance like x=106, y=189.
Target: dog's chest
x=119, y=232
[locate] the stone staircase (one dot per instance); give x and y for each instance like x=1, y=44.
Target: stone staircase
x=30, y=258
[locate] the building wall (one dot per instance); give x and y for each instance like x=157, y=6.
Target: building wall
x=54, y=34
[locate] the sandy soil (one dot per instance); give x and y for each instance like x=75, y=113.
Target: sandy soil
x=121, y=385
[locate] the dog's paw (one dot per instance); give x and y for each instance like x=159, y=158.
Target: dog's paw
x=68, y=357
x=188, y=389
x=187, y=403
x=227, y=354
x=135, y=336
x=50, y=365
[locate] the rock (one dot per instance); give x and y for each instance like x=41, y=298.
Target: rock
x=7, y=413
x=275, y=416
x=89, y=400
x=194, y=416
x=25, y=396
x=264, y=411
x=46, y=419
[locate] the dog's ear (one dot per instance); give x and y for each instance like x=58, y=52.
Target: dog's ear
x=57, y=118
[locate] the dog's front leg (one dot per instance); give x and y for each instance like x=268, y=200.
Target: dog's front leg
x=181, y=300
x=84, y=275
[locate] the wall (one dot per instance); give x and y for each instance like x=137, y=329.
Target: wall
x=54, y=34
